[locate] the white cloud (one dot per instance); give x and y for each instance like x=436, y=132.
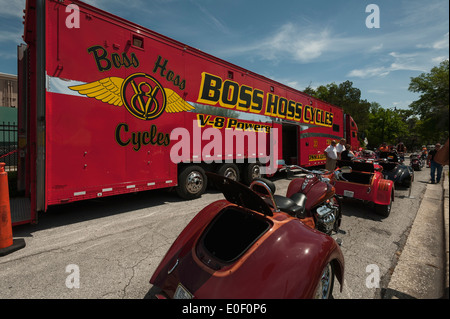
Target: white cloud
x=291, y=42
x=212, y=19
x=441, y=44
x=376, y=48
x=402, y=62
x=420, y=14
x=402, y=103
x=6, y=36
x=439, y=59
x=376, y=91
x=317, y=43
x=8, y=55
x=369, y=72
x=297, y=43
x=12, y=8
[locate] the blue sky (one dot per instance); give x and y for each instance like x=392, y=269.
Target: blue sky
x=296, y=42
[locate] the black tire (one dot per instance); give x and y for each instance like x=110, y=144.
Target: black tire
x=230, y=171
x=192, y=182
x=384, y=210
x=251, y=172
x=407, y=182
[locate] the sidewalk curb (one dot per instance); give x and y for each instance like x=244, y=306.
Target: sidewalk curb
x=422, y=268
x=446, y=229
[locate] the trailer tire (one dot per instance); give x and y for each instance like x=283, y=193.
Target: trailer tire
x=251, y=172
x=192, y=182
x=230, y=171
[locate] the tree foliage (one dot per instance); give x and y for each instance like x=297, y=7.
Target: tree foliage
x=388, y=125
x=425, y=122
x=433, y=105
x=348, y=98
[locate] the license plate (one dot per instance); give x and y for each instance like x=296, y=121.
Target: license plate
x=182, y=293
x=348, y=193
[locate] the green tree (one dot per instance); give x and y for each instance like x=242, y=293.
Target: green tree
x=386, y=125
x=433, y=105
x=348, y=98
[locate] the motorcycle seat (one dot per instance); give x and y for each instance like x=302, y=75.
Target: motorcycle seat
x=269, y=183
x=299, y=199
x=294, y=206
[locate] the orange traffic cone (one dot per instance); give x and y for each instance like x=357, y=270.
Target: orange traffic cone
x=7, y=243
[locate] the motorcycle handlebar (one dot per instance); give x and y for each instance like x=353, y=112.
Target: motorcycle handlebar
x=337, y=172
x=315, y=172
x=296, y=167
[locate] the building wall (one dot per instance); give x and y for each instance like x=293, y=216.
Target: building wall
x=8, y=90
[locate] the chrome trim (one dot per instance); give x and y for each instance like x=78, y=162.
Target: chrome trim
x=173, y=268
x=269, y=192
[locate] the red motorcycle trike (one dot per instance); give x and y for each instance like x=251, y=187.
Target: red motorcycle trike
x=366, y=182
x=254, y=245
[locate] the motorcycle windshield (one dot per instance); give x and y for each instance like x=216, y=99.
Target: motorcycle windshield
x=239, y=194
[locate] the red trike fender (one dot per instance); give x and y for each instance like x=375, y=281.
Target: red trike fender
x=190, y=233
x=384, y=191
x=286, y=262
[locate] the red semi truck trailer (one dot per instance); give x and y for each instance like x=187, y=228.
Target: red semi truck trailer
x=110, y=107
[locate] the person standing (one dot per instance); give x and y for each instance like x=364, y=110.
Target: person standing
x=383, y=147
x=331, y=155
x=401, y=150
x=424, y=152
x=347, y=155
x=441, y=157
x=435, y=167
x=340, y=148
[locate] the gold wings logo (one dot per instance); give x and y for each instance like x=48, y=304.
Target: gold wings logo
x=140, y=93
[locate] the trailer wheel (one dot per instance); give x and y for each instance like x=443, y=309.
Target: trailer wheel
x=251, y=172
x=191, y=182
x=230, y=171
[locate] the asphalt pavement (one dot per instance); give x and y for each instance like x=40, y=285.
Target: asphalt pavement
x=425, y=257
x=115, y=249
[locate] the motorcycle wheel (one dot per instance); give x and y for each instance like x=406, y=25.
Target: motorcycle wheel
x=324, y=288
x=384, y=210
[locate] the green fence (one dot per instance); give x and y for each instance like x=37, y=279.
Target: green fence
x=8, y=138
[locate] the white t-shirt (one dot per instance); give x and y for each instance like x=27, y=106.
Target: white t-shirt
x=331, y=150
x=340, y=148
